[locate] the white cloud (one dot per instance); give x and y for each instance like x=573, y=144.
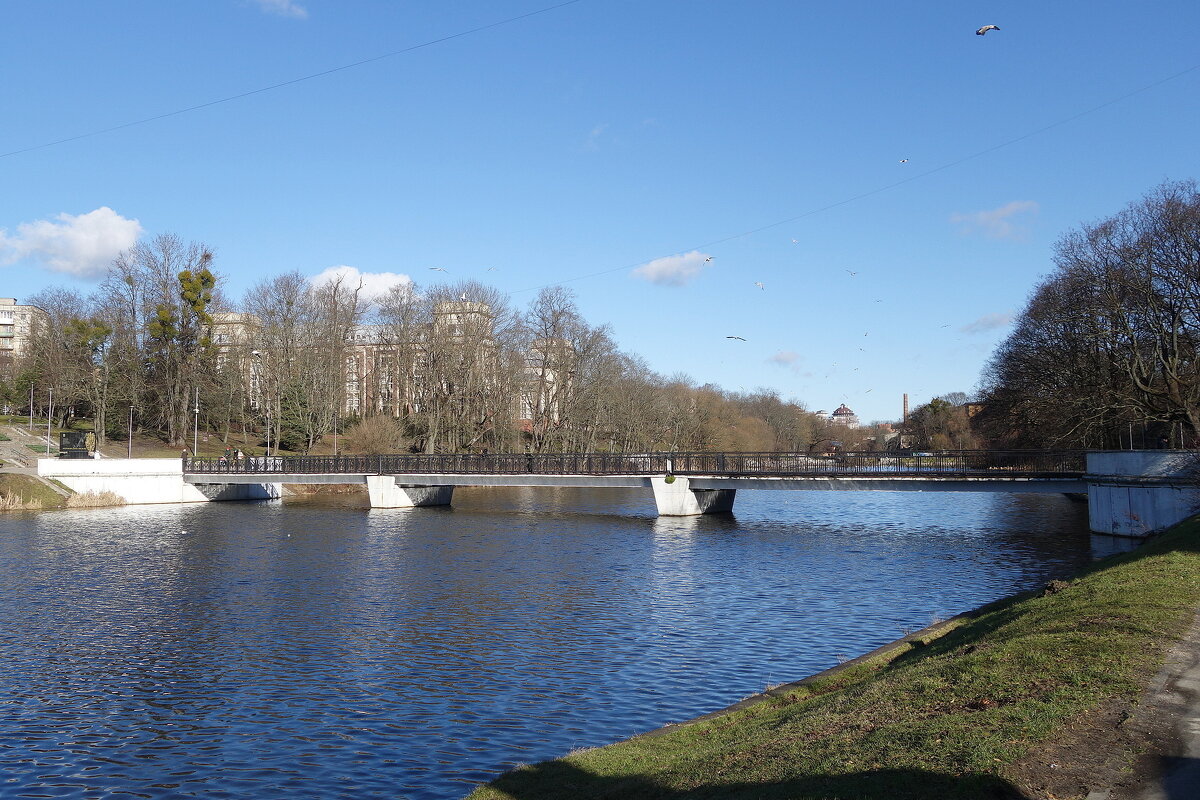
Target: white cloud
x=989, y=322
x=283, y=8
x=82, y=245
x=374, y=284
x=673, y=270
x=998, y=223
x=785, y=358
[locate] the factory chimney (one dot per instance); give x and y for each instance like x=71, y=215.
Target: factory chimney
x=906, y=406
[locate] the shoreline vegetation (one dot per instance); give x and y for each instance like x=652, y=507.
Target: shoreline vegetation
x=26, y=493
x=29, y=493
x=1024, y=697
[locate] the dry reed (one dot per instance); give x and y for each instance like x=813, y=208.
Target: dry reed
x=95, y=500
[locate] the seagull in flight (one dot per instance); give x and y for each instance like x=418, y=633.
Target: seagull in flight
x=987, y=28
x=852, y=272
x=491, y=269
x=904, y=161
x=710, y=258
x=759, y=284
x=795, y=241
x=438, y=269
x=740, y=339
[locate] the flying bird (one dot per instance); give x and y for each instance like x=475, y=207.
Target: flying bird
x=710, y=258
x=740, y=339
x=759, y=284
x=904, y=161
x=491, y=269
x=463, y=297
x=986, y=28
x=438, y=269
x=795, y=241
x=852, y=272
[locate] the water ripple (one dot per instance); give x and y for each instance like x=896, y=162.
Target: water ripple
x=281, y=650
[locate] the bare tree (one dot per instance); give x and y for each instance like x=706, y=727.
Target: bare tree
x=178, y=291
x=1111, y=338
x=280, y=353
x=470, y=369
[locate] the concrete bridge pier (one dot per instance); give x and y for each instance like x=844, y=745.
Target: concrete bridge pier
x=678, y=499
x=386, y=493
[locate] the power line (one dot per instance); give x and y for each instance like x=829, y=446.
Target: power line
x=294, y=81
x=885, y=188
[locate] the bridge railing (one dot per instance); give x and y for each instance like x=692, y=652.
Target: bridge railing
x=941, y=463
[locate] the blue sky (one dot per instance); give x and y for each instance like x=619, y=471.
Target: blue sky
x=579, y=145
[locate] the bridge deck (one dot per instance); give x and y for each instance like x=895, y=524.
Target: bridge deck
x=971, y=470
x=925, y=483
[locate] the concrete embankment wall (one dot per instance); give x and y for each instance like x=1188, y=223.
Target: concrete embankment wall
x=145, y=480
x=1139, y=492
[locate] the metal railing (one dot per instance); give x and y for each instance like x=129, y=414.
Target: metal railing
x=943, y=464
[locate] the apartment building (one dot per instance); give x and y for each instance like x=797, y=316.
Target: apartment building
x=17, y=326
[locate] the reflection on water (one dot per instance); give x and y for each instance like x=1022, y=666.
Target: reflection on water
x=321, y=649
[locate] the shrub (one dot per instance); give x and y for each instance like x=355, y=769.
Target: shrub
x=375, y=436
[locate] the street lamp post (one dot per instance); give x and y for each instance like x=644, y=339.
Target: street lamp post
x=196, y=425
x=129, y=451
x=31, y=408
x=258, y=394
x=49, y=418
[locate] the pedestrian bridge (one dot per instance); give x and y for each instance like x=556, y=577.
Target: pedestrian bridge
x=1130, y=493
x=682, y=483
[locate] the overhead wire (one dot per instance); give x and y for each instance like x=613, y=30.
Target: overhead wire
x=880, y=189
x=565, y=3
x=294, y=81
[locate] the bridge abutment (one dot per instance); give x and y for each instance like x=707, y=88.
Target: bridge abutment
x=678, y=499
x=386, y=493
x=149, y=480
x=1138, y=492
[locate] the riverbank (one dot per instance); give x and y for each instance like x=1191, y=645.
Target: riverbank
x=20, y=492
x=1026, y=698
x=26, y=492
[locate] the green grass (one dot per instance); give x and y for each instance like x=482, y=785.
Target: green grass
x=26, y=491
x=939, y=720
x=38, y=448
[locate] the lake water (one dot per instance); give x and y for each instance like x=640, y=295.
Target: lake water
x=323, y=649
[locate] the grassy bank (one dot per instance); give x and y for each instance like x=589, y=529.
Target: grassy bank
x=26, y=492
x=963, y=715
